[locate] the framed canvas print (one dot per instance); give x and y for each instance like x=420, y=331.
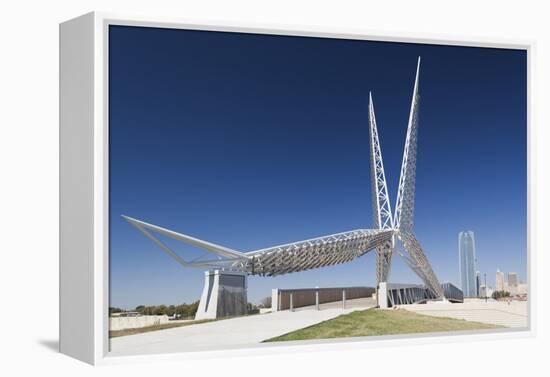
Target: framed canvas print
x=233, y=189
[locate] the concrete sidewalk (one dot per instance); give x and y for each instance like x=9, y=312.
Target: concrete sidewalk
x=491, y=312
x=230, y=333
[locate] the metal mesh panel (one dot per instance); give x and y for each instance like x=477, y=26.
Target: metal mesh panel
x=315, y=253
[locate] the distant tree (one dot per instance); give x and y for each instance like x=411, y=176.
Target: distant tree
x=265, y=302
x=252, y=309
x=192, y=309
x=183, y=310
x=171, y=310
x=158, y=310
x=500, y=294
x=115, y=310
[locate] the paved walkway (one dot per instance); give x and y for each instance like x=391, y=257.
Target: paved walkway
x=230, y=333
x=496, y=313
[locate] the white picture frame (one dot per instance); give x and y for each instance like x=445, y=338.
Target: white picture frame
x=84, y=167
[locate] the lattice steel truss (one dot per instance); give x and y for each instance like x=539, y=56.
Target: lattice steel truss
x=404, y=209
x=418, y=262
x=403, y=219
x=337, y=248
x=381, y=207
x=293, y=257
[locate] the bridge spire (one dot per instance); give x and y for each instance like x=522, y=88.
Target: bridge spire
x=382, y=215
x=404, y=208
x=381, y=207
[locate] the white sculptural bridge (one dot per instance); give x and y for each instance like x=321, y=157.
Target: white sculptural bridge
x=389, y=229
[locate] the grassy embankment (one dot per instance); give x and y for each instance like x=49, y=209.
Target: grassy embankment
x=170, y=325
x=380, y=322
x=116, y=333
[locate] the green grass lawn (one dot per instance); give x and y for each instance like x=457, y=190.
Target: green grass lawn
x=380, y=322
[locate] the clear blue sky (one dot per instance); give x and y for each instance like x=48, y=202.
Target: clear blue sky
x=251, y=141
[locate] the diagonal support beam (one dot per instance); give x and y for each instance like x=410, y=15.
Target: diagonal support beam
x=209, y=246
x=419, y=263
x=384, y=255
x=404, y=208
x=381, y=207
x=382, y=215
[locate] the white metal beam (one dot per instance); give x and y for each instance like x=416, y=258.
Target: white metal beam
x=212, y=247
x=404, y=209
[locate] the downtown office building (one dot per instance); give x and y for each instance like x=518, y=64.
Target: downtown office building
x=467, y=259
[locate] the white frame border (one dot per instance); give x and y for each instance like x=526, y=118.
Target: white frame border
x=101, y=173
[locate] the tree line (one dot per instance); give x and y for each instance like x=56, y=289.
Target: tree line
x=181, y=311
x=500, y=294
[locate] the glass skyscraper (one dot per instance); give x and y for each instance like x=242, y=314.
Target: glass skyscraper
x=467, y=260
x=478, y=284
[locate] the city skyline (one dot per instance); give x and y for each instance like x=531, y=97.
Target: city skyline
x=221, y=164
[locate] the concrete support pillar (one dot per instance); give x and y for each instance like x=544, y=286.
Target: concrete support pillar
x=291, y=303
x=317, y=300
x=382, y=295
x=224, y=295
x=343, y=299
x=275, y=300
